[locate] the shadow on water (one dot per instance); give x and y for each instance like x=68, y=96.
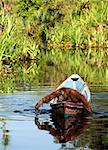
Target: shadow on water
x=17, y=114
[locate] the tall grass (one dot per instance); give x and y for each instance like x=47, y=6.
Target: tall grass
x=44, y=41
x=53, y=70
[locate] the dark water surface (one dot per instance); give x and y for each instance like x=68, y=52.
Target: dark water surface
x=21, y=128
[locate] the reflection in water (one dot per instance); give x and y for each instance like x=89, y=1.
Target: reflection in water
x=17, y=115
x=90, y=132
x=5, y=135
x=99, y=133
x=64, y=129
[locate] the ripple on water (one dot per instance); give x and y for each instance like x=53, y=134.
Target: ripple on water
x=17, y=111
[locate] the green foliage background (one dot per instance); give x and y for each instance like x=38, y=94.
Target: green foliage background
x=43, y=41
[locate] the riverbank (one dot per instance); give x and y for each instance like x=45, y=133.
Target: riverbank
x=52, y=69
x=45, y=41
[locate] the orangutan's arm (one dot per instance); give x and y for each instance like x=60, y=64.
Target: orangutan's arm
x=48, y=98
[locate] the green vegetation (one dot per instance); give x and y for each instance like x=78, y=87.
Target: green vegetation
x=42, y=41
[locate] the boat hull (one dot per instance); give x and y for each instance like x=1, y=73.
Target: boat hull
x=68, y=108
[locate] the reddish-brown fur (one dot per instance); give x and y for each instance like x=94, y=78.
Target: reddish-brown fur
x=66, y=94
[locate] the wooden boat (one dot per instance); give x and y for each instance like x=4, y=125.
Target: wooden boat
x=67, y=108
x=70, y=98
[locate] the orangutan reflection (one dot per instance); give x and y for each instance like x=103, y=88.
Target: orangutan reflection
x=64, y=129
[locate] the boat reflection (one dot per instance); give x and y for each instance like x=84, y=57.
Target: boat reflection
x=64, y=129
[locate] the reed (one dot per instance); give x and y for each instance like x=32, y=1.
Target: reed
x=63, y=36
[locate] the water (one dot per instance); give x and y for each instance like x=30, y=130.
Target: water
x=21, y=128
